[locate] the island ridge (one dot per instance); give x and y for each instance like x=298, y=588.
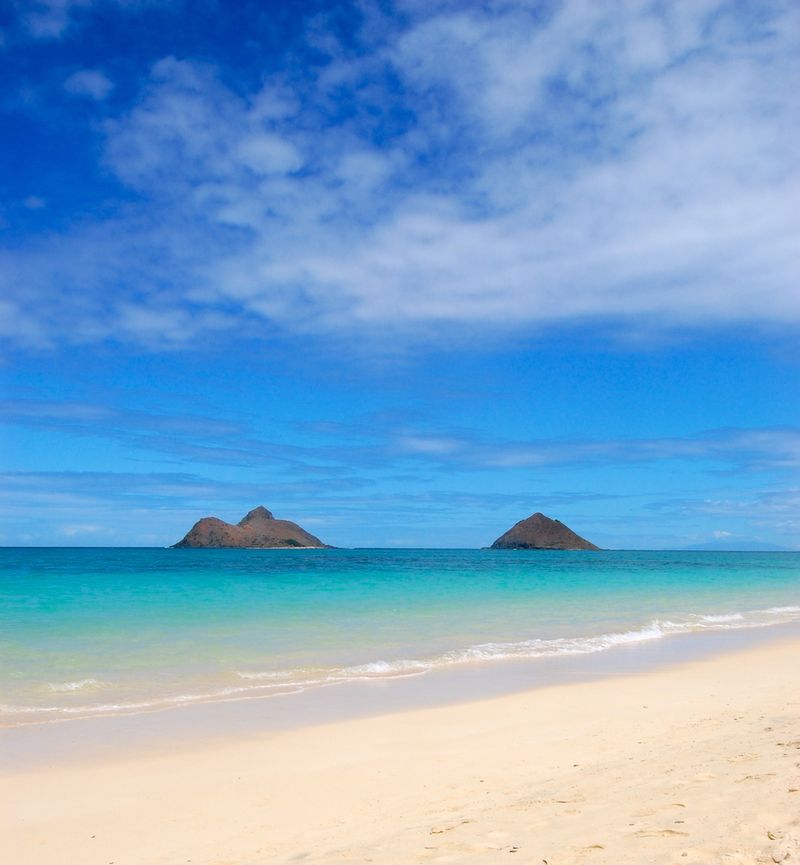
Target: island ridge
x=257, y=529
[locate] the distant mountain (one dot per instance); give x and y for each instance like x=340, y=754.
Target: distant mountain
x=735, y=546
x=539, y=532
x=258, y=529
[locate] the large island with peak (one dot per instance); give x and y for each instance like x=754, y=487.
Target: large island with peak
x=259, y=529
x=539, y=532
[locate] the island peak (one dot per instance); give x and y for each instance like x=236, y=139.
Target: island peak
x=258, y=528
x=540, y=532
x=259, y=513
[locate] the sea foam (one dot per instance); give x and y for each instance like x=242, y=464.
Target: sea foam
x=79, y=685
x=293, y=681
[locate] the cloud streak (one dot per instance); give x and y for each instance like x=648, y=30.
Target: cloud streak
x=377, y=444
x=757, y=449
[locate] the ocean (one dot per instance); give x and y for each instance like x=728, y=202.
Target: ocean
x=87, y=632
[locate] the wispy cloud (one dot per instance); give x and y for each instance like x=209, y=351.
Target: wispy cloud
x=376, y=443
x=774, y=513
x=756, y=449
x=498, y=167
x=48, y=19
x=155, y=490
x=53, y=20
x=187, y=438
x=89, y=82
x=781, y=504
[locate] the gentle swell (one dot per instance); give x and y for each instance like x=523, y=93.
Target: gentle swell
x=275, y=682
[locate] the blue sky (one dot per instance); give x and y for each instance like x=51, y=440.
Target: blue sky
x=405, y=272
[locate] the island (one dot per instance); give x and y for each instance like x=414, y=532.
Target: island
x=259, y=530
x=539, y=532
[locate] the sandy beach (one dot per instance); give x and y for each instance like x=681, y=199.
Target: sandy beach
x=695, y=763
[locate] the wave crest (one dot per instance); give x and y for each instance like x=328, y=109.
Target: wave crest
x=282, y=682
x=78, y=685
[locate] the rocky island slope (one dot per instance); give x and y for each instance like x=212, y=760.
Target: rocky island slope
x=258, y=529
x=539, y=532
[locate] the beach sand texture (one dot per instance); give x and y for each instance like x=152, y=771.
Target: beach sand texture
x=693, y=764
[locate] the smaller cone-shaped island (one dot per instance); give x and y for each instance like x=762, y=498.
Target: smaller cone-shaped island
x=259, y=529
x=539, y=532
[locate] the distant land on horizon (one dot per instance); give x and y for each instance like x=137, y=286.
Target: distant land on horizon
x=540, y=532
x=257, y=529
x=743, y=546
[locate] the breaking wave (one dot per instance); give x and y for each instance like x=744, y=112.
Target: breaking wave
x=276, y=682
x=79, y=685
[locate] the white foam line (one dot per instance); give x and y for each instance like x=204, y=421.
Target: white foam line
x=409, y=667
x=79, y=685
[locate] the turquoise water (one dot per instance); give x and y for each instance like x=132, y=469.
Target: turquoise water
x=92, y=631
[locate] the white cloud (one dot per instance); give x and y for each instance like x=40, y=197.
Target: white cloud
x=89, y=82
x=18, y=325
x=48, y=19
x=629, y=164
x=429, y=445
x=83, y=529
x=269, y=154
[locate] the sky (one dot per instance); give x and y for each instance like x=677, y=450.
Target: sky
x=404, y=272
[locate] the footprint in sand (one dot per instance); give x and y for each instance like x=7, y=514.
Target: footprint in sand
x=743, y=758
x=439, y=830
x=755, y=777
x=786, y=847
x=651, y=812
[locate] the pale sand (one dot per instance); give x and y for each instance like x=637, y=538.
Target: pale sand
x=693, y=764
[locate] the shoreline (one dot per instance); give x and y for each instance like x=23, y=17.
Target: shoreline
x=156, y=729
x=540, y=659
x=698, y=760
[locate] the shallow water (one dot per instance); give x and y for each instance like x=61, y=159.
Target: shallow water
x=100, y=631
